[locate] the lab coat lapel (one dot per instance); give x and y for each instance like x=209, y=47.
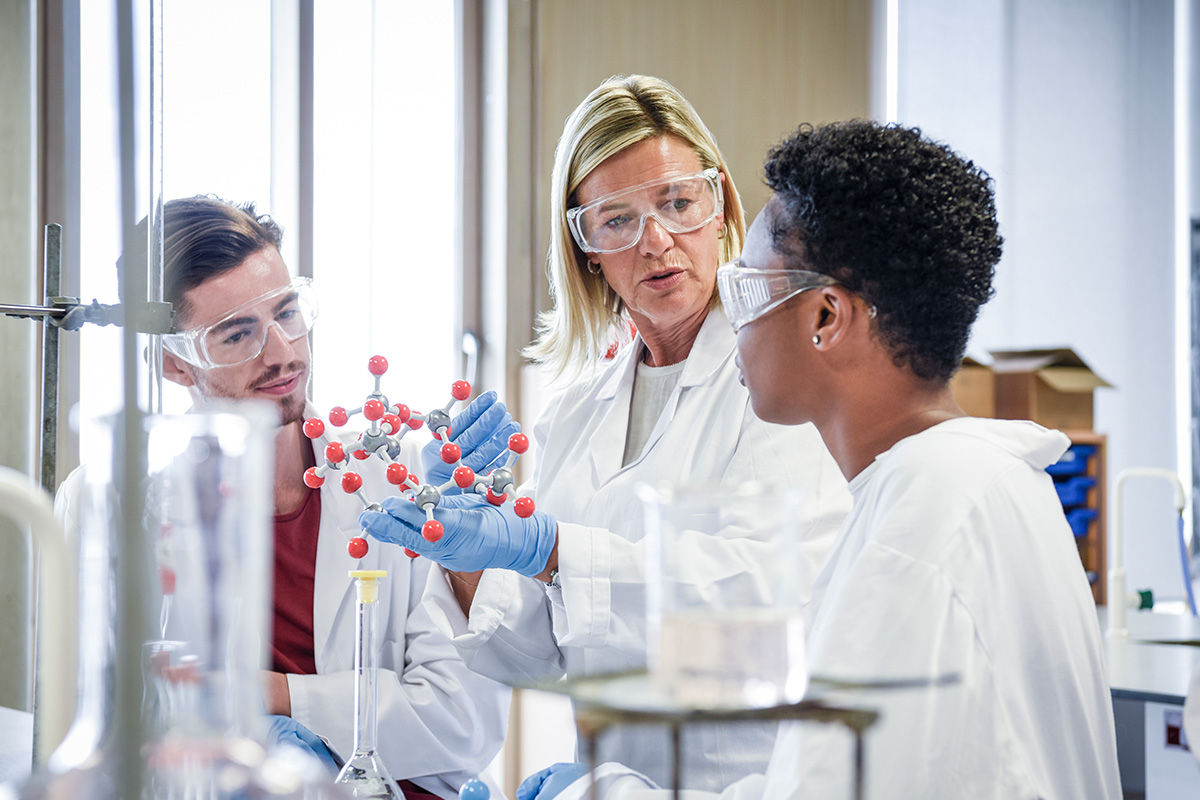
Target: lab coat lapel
x=713, y=347
x=606, y=446
x=333, y=593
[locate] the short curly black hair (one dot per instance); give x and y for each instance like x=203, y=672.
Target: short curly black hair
x=902, y=221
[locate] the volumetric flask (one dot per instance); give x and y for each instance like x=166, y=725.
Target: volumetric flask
x=725, y=585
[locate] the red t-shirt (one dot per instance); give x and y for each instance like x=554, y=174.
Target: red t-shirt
x=292, y=648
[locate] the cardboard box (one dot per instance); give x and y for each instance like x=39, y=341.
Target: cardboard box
x=1051, y=387
x=974, y=387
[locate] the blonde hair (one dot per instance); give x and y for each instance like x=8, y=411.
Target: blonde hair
x=586, y=313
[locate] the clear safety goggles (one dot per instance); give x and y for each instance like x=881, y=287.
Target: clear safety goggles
x=749, y=293
x=242, y=334
x=679, y=204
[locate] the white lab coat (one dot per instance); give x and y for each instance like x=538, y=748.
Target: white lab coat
x=521, y=632
x=955, y=559
x=440, y=723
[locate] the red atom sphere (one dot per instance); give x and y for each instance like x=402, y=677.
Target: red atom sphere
x=338, y=416
x=518, y=443
x=464, y=477
x=166, y=580
x=357, y=547
x=313, y=427
x=397, y=474
x=451, y=452
x=374, y=409
x=311, y=479
x=392, y=423
x=523, y=506
x=415, y=423
x=496, y=499
x=360, y=454
x=411, y=553
x=442, y=432
x=432, y=530
x=460, y=390
x=334, y=453
x=377, y=365
x=403, y=412
x=351, y=482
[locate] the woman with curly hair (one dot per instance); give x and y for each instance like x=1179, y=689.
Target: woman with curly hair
x=853, y=301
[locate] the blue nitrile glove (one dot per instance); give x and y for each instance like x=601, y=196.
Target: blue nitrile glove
x=286, y=731
x=481, y=430
x=478, y=535
x=551, y=781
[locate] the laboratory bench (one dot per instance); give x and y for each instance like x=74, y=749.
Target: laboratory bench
x=1149, y=673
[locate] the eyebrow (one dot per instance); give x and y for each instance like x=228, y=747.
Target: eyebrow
x=232, y=323
x=288, y=299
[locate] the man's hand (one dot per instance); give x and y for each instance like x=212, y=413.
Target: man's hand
x=286, y=731
x=275, y=693
x=477, y=535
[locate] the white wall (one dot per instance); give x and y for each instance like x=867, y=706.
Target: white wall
x=1069, y=105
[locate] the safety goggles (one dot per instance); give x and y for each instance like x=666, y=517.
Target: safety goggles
x=242, y=334
x=749, y=293
x=679, y=204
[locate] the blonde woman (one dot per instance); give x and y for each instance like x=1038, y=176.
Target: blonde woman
x=644, y=211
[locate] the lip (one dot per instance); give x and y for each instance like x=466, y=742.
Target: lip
x=281, y=387
x=664, y=279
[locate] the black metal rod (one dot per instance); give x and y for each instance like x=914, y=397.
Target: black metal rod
x=676, y=763
x=858, y=765
x=53, y=284
x=52, y=260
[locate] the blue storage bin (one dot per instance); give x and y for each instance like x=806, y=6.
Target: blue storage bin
x=1074, y=461
x=1078, y=519
x=1074, y=491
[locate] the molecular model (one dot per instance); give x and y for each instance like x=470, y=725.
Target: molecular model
x=388, y=425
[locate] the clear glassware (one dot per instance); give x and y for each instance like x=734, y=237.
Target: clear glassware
x=207, y=511
x=364, y=773
x=738, y=640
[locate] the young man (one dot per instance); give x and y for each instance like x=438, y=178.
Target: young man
x=853, y=302
x=244, y=324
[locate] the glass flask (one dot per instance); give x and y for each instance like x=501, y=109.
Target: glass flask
x=364, y=773
x=735, y=636
x=206, y=512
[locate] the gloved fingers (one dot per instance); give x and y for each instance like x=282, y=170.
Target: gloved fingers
x=469, y=415
x=560, y=780
x=550, y=782
x=530, y=787
x=399, y=523
x=460, y=502
x=475, y=432
x=487, y=456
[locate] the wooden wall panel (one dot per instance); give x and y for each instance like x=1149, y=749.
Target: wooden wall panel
x=754, y=69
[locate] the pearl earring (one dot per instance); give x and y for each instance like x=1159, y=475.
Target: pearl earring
x=816, y=338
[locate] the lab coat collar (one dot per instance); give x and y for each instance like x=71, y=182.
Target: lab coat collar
x=711, y=350
x=713, y=344
x=339, y=523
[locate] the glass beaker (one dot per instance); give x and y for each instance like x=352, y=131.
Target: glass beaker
x=725, y=590
x=206, y=512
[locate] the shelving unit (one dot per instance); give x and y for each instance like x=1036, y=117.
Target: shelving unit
x=1091, y=535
